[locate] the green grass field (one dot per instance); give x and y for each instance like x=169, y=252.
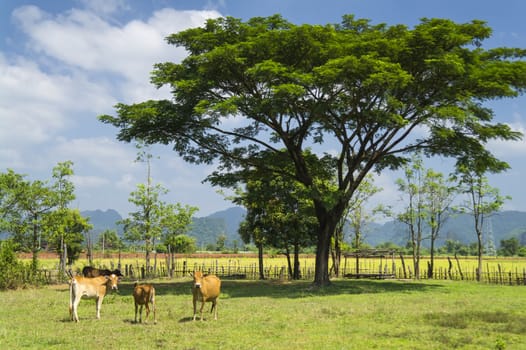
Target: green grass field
x=349, y=314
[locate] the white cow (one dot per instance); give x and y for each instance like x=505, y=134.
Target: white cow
x=89, y=288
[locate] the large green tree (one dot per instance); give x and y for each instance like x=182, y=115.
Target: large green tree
x=372, y=93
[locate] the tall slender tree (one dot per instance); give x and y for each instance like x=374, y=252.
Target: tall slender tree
x=414, y=213
x=482, y=202
x=154, y=217
x=438, y=196
x=428, y=196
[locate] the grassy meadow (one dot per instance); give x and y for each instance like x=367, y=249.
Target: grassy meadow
x=349, y=314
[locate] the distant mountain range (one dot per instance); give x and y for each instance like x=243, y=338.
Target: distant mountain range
x=499, y=226
x=206, y=230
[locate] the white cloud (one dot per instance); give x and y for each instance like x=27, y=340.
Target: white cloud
x=510, y=149
x=29, y=111
x=35, y=105
x=83, y=39
x=101, y=154
x=127, y=182
x=89, y=181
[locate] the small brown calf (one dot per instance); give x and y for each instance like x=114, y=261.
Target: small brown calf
x=206, y=288
x=144, y=294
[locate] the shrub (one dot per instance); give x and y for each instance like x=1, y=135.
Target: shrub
x=12, y=271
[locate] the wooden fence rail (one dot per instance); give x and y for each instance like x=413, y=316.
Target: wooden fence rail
x=236, y=269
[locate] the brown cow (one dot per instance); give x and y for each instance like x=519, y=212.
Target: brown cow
x=89, y=288
x=206, y=288
x=143, y=294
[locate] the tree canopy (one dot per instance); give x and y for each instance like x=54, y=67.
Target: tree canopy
x=371, y=93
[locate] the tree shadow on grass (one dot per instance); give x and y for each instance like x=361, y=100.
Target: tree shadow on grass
x=161, y=288
x=300, y=289
x=286, y=289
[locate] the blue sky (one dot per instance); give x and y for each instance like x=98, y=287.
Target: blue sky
x=63, y=63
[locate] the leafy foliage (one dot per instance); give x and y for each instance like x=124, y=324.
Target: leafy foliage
x=35, y=212
x=364, y=88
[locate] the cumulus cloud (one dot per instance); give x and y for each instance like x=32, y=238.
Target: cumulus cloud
x=83, y=39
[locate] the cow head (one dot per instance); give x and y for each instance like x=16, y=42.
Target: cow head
x=112, y=280
x=198, y=277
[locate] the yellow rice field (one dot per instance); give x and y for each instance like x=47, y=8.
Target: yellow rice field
x=276, y=265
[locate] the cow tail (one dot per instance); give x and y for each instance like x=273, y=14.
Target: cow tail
x=71, y=297
x=213, y=306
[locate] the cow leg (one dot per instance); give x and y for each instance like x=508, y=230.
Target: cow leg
x=147, y=307
x=75, y=308
x=153, y=309
x=98, y=305
x=195, y=308
x=201, y=310
x=214, y=306
x=71, y=304
x=136, y=307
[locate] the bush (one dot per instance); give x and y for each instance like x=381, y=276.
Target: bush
x=12, y=271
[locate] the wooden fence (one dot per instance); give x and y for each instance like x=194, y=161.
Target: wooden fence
x=237, y=269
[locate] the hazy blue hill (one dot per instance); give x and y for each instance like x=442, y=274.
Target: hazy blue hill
x=206, y=230
x=231, y=216
x=502, y=225
x=103, y=220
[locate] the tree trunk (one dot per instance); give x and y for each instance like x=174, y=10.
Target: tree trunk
x=260, y=261
x=296, y=274
x=321, y=272
x=432, y=259
x=289, y=263
x=479, y=267
x=336, y=256
x=35, y=247
x=89, y=248
x=403, y=265
x=147, y=255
